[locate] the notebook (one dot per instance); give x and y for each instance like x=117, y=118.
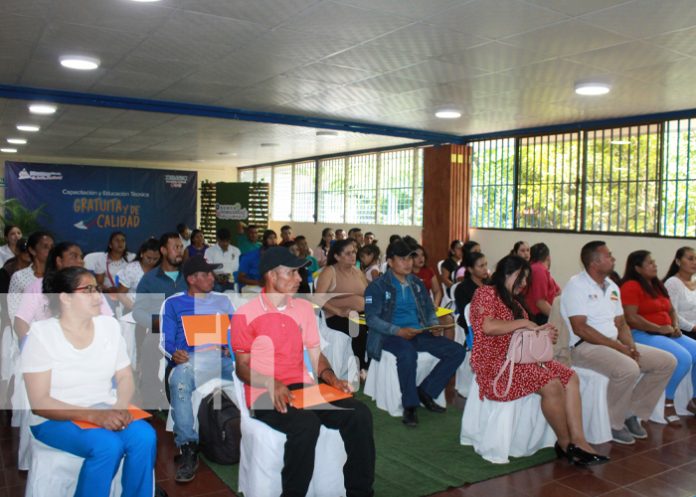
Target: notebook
x=135, y=412
x=315, y=395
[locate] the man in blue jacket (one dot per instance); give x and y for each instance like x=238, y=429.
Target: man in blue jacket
x=398, y=307
x=193, y=363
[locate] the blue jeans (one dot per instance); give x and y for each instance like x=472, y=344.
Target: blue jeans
x=450, y=353
x=103, y=451
x=682, y=348
x=201, y=367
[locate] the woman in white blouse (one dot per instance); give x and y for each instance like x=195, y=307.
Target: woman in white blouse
x=682, y=289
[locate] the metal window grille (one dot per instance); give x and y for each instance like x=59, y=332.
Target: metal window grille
x=398, y=179
x=247, y=175
x=332, y=190
x=622, y=179
x=492, y=183
x=679, y=179
x=303, y=191
x=547, y=185
x=282, y=192
x=361, y=189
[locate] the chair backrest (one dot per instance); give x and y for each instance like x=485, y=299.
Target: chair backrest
x=239, y=396
x=561, y=349
x=470, y=331
x=439, y=266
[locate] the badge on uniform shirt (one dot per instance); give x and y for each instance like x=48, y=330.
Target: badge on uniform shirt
x=387, y=295
x=614, y=296
x=368, y=299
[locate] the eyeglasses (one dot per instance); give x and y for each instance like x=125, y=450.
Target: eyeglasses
x=87, y=289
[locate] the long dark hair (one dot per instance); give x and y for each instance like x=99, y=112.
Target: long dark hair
x=57, y=251
x=674, y=267
x=505, y=267
x=113, y=235
x=337, y=248
x=323, y=243
x=653, y=287
x=63, y=281
x=516, y=247
x=470, y=261
x=150, y=244
x=264, y=239
x=453, y=246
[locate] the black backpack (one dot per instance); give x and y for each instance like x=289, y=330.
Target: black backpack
x=219, y=431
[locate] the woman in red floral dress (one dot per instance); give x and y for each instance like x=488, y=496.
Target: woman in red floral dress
x=497, y=310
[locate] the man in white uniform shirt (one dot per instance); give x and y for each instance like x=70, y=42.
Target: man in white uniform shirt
x=226, y=254
x=601, y=340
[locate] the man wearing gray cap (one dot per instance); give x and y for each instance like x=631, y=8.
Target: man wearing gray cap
x=401, y=319
x=192, y=364
x=269, y=334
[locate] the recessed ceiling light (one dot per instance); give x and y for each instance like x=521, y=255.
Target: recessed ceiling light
x=269, y=144
x=620, y=142
x=448, y=114
x=79, y=62
x=45, y=109
x=327, y=132
x=8, y=150
x=17, y=141
x=592, y=88
x=30, y=128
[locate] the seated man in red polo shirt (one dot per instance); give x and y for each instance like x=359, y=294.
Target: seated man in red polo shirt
x=269, y=335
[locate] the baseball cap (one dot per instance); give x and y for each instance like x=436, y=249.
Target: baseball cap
x=399, y=248
x=196, y=264
x=280, y=256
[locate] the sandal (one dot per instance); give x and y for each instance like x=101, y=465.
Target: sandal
x=672, y=419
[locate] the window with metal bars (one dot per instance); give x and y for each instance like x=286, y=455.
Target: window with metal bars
x=378, y=187
x=303, y=191
x=547, y=185
x=332, y=190
x=492, y=183
x=281, y=197
x=622, y=180
x=678, y=209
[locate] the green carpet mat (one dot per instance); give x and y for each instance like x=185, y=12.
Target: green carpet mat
x=421, y=461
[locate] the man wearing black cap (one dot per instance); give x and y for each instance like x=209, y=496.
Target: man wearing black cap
x=397, y=309
x=268, y=338
x=192, y=365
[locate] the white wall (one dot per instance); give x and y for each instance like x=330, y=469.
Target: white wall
x=313, y=231
x=565, y=248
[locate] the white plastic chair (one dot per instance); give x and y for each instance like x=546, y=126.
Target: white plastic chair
x=464, y=373
x=54, y=472
x=382, y=383
x=595, y=408
x=498, y=430
x=127, y=324
x=684, y=393
x=262, y=450
x=337, y=349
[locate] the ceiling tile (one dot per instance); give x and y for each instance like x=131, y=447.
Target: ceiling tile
x=329, y=73
x=427, y=40
x=493, y=57
x=389, y=83
x=20, y=28
x=375, y=58
x=126, y=83
x=626, y=56
x=493, y=19
x=267, y=12
x=124, y=15
x=436, y=71
x=301, y=45
x=565, y=38
x=682, y=41
x=414, y=9
x=52, y=75
x=329, y=18
x=645, y=18
x=575, y=7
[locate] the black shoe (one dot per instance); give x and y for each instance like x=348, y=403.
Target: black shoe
x=189, y=463
x=410, y=418
x=583, y=458
x=560, y=453
x=428, y=402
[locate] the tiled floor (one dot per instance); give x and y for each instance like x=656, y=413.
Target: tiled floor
x=663, y=465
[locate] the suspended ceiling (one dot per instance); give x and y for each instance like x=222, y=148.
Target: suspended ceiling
x=506, y=64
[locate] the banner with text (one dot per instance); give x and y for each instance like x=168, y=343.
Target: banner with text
x=84, y=204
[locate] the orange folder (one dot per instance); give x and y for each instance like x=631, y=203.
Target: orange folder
x=317, y=394
x=135, y=412
x=206, y=329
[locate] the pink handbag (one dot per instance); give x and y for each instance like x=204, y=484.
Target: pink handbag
x=526, y=347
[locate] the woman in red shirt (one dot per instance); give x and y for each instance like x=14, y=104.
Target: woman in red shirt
x=654, y=322
x=542, y=287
